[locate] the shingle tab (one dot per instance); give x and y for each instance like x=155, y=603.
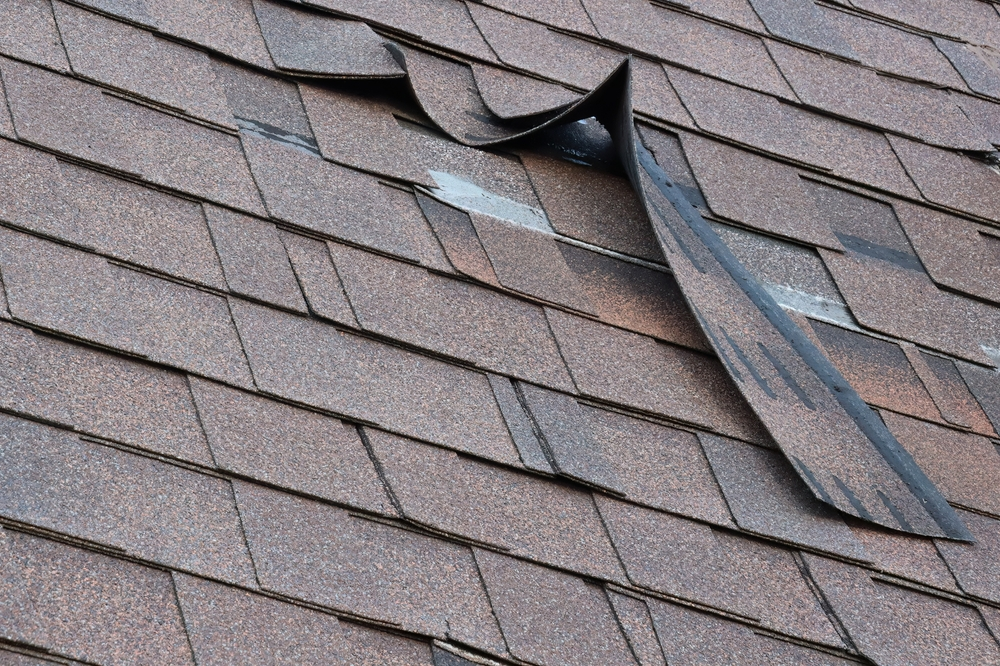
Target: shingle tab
x=459, y=239
x=145, y=507
x=254, y=259
x=28, y=31
x=275, y=443
x=230, y=29
x=950, y=392
x=318, y=279
x=976, y=566
x=976, y=65
x=511, y=95
x=132, y=59
x=315, y=43
x=93, y=607
x=801, y=21
x=904, y=555
x=551, y=617
x=267, y=100
x=966, y=19
x=566, y=14
x=530, y=517
x=633, y=614
x=767, y=497
x=399, y=390
x=491, y=330
x=228, y=626
x=326, y=556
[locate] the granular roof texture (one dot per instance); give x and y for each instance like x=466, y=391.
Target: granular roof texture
x=396, y=332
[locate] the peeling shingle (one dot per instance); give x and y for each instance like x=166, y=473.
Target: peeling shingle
x=511, y=95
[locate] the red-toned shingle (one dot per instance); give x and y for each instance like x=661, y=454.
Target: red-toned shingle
x=28, y=31
x=904, y=555
x=310, y=192
x=318, y=279
x=483, y=327
x=951, y=179
x=950, y=392
x=275, y=443
x=254, y=259
x=230, y=626
x=326, y=556
x=659, y=466
x=83, y=295
x=966, y=467
x=552, y=617
x=227, y=27
x=985, y=386
x=459, y=239
x=653, y=95
x=147, y=508
x=976, y=565
x=633, y=370
x=132, y=59
x=894, y=626
x=402, y=391
x=533, y=518
x=93, y=607
x=768, y=497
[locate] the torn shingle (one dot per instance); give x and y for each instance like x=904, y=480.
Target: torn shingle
x=254, y=259
x=984, y=113
x=318, y=279
x=92, y=607
x=314, y=43
x=324, y=555
x=977, y=64
x=767, y=497
x=519, y=424
x=530, y=262
x=975, y=565
x=28, y=31
x=635, y=297
x=368, y=647
x=579, y=201
x=525, y=515
x=551, y=617
x=288, y=447
x=511, y=95
x=492, y=330
x=659, y=466
x=229, y=28
x=226, y=626
x=142, y=506
x=401, y=391
x=132, y=59
x=966, y=467
x=757, y=192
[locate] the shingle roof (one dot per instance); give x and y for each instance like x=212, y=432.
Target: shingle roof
x=446, y=333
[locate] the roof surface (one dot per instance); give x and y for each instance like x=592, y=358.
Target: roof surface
x=428, y=332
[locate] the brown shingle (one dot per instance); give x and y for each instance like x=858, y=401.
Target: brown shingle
x=533, y=518
x=877, y=369
x=318, y=279
x=633, y=370
x=534, y=47
x=83, y=295
x=402, y=391
x=362, y=132
x=511, y=95
x=635, y=297
x=229, y=27
x=148, y=508
x=985, y=386
x=131, y=59
x=552, y=617
x=653, y=95
x=801, y=21
x=736, y=12
x=310, y=192
x=137, y=224
x=444, y=23
x=93, y=607
x=368, y=647
x=659, y=466
x=768, y=497
x=976, y=565
x=633, y=615
x=131, y=10
x=858, y=93
x=951, y=179
x=964, y=466
x=904, y=555
x=264, y=99
x=519, y=424
x=483, y=327
x=984, y=113
x=28, y=31
x=894, y=626
x=691, y=42
x=889, y=49
x=459, y=239
x=530, y=262
x=229, y=626
x=254, y=259
x=320, y=44
x=566, y=435
x=326, y=556
x=266, y=440
x=958, y=253
x=967, y=19
x=580, y=200
x=950, y=392
x=756, y=191
x=565, y=14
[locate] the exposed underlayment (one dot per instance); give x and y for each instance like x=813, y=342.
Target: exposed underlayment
x=446, y=333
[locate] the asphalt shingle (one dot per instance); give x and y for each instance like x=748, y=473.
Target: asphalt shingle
x=28, y=31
